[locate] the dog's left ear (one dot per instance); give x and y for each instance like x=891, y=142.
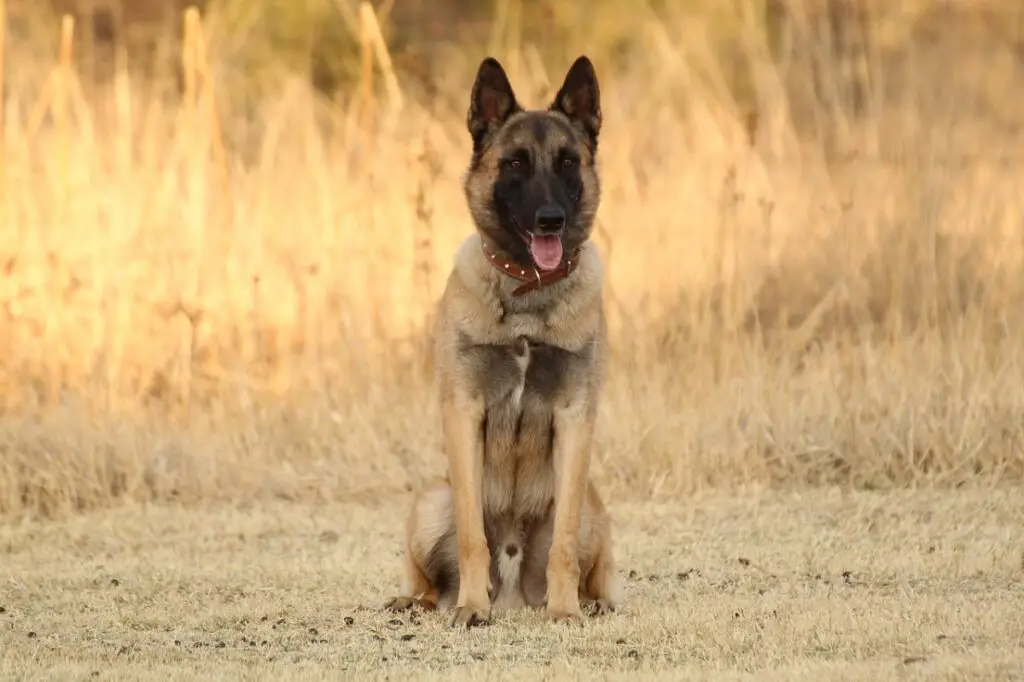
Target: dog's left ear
x=579, y=98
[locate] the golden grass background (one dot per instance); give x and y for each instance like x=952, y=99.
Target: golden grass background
x=223, y=294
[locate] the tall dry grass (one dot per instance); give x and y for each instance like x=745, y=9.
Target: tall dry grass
x=206, y=299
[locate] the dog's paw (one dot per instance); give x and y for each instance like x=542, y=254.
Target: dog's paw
x=406, y=603
x=471, y=616
x=565, y=615
x=598, y=607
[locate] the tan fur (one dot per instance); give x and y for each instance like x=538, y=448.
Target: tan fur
x=519, y=380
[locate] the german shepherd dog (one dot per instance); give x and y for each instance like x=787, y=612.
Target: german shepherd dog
x=520, y=356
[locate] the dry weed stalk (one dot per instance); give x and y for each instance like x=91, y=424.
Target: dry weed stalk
x=6, y=262
x=114, y=302
x=255, y=325
x=300, y=276
x=373, y=35
x=199, y=83
x=423, y=247
x=60, y=89
x=189, y=306
x=3, y=117
x=366, y=62
x=61, y=95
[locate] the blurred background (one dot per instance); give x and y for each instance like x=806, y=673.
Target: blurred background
x=235, y=223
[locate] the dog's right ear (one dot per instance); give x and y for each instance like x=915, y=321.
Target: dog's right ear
x=491, y=103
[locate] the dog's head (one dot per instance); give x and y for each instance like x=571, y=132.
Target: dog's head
x=532, y=184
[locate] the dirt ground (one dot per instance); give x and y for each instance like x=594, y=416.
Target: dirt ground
x=824, y=585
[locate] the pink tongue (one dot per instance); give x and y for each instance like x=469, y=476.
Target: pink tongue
x=546, y=250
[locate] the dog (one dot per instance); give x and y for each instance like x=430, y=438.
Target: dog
x=519, y=352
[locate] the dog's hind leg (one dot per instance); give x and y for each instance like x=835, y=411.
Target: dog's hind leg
x=430, y=558
x=600, y=586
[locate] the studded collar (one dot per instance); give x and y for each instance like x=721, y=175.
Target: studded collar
x=530, y=276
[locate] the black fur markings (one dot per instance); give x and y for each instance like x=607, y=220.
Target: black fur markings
x=540, y=127
x=539, y=130
x=442, y=565
x=546, y=373
x=499, y=372
x=495, y=367
x=531, y=177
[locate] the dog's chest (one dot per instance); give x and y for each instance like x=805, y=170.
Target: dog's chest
x=522, y=376
x=521, y=383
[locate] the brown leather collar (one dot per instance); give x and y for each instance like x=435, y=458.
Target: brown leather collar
x=531, y=277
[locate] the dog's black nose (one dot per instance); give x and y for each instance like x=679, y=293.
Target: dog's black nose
x=550, y=218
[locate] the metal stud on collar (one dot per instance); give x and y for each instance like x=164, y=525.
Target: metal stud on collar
x=523, y=274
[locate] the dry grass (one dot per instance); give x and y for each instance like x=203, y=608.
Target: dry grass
x=830, y=585
x=224, y=298
x=214, y=381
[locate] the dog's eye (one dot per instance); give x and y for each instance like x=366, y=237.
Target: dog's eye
x=568, y=162
x=514, y=164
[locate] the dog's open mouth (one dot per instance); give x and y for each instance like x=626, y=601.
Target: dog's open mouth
x=546, y=250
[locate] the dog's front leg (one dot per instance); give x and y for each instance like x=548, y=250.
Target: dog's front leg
x=574, y=426
x=462, y=422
